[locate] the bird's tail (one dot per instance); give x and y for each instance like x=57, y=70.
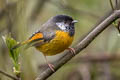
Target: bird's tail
x=30, y=42
x=20, y=44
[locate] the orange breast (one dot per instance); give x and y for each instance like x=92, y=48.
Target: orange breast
x=61, y=41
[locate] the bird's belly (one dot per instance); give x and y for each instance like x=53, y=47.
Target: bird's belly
x=61, y=41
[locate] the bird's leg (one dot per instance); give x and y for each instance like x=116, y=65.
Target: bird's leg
x=72, y=50
x=51, y=66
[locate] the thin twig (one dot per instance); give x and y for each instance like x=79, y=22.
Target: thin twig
x=113, y=9
x=111, y=4
x=81, y=45
x=8, y=75
x=116, y=2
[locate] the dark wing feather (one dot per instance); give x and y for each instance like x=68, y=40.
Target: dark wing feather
x=39, y=38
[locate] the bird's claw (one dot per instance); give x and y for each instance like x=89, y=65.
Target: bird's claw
x=51, y=66
x=72, y=50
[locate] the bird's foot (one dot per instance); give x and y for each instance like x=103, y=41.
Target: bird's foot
x=72, y=50
x=51, y=66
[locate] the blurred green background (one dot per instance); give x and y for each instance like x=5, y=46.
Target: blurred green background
x=23, y=17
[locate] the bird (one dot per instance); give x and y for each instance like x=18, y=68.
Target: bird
x=53, y=37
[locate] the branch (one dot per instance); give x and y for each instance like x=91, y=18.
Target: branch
x=81, y=45
x=8, y=75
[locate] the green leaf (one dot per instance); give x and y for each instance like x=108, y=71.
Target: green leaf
x=14, y=53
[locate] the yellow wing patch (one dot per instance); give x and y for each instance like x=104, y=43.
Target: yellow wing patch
x=36, y=36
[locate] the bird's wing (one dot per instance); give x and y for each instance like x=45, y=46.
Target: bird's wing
x=37, y=39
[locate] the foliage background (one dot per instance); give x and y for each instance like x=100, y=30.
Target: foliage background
x=23, y=17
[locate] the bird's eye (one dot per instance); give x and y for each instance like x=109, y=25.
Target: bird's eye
x=69, y=27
